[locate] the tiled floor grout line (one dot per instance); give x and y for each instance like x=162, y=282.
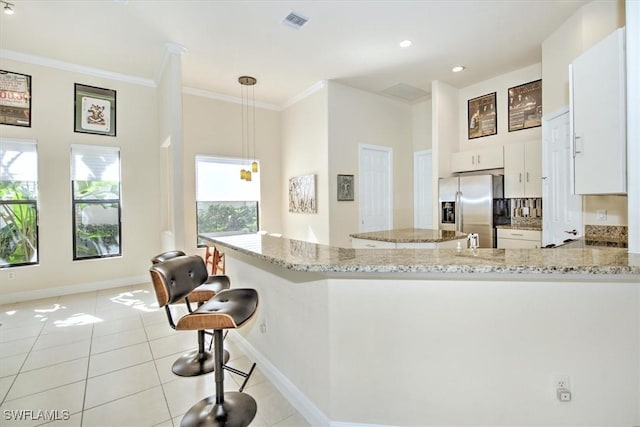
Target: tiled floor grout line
x=4, y=398
x=86, y=377
x=155, y=364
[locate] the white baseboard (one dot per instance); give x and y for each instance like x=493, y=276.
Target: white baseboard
x=73, y=289
x=298, y=399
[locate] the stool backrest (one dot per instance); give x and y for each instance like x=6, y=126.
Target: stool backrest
x=165, y=256
x=175, y=278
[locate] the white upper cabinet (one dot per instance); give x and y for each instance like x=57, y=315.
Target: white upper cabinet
x=522, y=170
x=598, y=122
x=485, y=158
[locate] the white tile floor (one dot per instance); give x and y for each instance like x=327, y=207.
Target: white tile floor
x=104, y=359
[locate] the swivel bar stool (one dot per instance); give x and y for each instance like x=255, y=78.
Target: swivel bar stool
x=199, y=361
x=229, y=309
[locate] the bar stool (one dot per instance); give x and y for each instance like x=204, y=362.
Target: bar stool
x=199, y=361
x=229, y=309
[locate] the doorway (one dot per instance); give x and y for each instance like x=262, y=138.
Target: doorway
x=422, y=189
x=376, y=201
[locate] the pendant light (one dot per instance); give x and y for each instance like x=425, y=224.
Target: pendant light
x=248, y=117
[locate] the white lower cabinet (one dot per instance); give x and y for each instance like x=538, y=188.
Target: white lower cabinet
x=519, y=239
x=377, y=244
x=371, y=244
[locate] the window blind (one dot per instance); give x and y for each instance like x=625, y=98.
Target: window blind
x=95, y=163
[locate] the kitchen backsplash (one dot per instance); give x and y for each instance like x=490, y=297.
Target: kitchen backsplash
x=526, y=212
x=607, y=235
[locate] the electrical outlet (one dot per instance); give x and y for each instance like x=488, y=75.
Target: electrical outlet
x=263, y=327
x=601, y=214
x=11, y=275
x=564, y=395
x=563, y=388
x=563, y=382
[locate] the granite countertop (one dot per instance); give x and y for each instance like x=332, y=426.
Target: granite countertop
x=297, y=255
x=411, y=235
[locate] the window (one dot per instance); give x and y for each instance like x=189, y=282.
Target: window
x=225, y=204
x=95, y=182
x=18, y=203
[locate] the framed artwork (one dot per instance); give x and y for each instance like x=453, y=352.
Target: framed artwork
x=302, y=194
x=15, y=99
x=482, y=117
x=95, y=110
x=345, y=188
x=525, y=106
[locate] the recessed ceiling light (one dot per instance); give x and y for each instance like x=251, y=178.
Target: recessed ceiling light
x=406, y=43
x=458, y=68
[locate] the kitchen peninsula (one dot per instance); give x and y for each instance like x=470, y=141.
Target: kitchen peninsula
x=443, y=336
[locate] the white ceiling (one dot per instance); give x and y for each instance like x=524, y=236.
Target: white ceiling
x=352, y=42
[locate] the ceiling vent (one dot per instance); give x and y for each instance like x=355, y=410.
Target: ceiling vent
x=295, y=20
x=405, y=92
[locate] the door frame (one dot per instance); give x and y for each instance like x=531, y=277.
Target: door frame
x=389, y=151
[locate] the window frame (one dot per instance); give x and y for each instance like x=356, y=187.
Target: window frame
x=75, y=202
x=208, y=159
x=33, y=202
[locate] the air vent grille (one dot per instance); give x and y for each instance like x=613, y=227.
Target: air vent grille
x=295, y=20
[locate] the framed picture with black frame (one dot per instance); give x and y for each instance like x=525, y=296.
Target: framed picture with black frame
x=15, y=99
x=95, y=110
x=525, y=106
x=482, y=116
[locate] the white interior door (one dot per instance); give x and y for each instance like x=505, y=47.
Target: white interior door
x=561, y=210
x=423, y=189
x=375, y=188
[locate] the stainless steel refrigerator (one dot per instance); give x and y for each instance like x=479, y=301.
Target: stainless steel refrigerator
x=473, y=204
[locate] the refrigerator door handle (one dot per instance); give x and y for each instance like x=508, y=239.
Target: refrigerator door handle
x=458, y=212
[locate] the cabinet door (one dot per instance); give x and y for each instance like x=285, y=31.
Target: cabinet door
x=532, y=169
x=597, y=86
x=463, y=161
x=486, y=158
x=490, y=158
x=514, y=178
x=518, y=244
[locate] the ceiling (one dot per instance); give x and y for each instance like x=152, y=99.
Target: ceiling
x=353, y=42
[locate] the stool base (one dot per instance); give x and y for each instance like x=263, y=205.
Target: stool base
x=195, y=363
x=236, y=410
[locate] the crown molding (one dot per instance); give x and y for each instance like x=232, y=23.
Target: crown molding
x=74, y=68
x=305, y=93
x=226, y=98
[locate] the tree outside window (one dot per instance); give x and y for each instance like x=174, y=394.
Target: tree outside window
x=18, y=203
x=96, y=201
x=225, y=204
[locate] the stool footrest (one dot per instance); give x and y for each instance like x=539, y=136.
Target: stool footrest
x=245, y=375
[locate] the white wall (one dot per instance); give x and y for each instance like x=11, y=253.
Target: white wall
x=213, y=127
x=499, y=84
x=421, y=125
x=358, y=117
x=305, y=151
x=52, y=127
